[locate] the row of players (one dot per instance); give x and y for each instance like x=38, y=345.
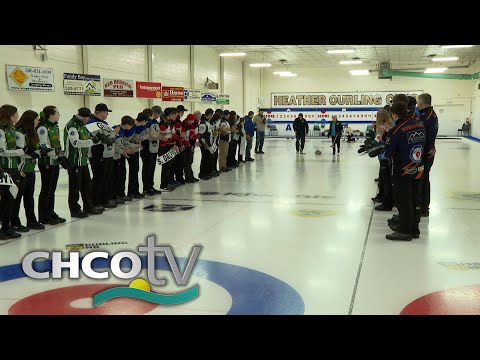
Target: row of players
x=88, y=138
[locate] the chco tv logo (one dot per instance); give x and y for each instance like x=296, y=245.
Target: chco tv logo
x=138, y=288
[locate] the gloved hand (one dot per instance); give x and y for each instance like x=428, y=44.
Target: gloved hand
x=59, y=153
x=64, y=163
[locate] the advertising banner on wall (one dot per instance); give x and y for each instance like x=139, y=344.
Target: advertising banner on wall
x=172, y=93
x=193, y=95
x=149, y=90
x=28, y=78
x=223, y=99
x=209, y=98
x=81, y=84
x=357, y=110
x=117, y=88
x=337, y=100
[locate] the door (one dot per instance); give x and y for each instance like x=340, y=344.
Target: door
x=450, y=118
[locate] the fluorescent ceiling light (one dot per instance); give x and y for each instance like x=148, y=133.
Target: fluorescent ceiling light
x=451, y=58
x=288, y=75
x=281, y=72
x=341, y=51
x=350, y=62
x=455, y=46
x=435, y=70
x=359, y=72
x=260, y=65
x=233, y=54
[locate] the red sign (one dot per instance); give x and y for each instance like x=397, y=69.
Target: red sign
x=150, y=90
x=171, y=93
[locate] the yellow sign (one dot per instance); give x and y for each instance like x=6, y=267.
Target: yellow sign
x=18, y=76
x=75, y=247
x=312, y=213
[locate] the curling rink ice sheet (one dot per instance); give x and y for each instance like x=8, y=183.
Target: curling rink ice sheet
x=285, y=234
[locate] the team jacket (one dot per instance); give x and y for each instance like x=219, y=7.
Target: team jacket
x=49, y=136
x=77, y=142
x=9, y=151
x=171, y=138
x=177, y=127
x=27, y=161
x=300, y=126
x=204, y=132
x=224, y=124
x=430, y=121
x=191, y=133
x=123, y=142
x=103, y=150
x=405, y=144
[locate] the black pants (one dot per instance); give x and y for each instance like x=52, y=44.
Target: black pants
x=386, y=183
x=7, y=201
x=409, y=199
x=215, y=160
x=188, y=161
x=336, y=140
x=206, y=162
x=149, y=162
x=232, y=150
x=25, y=191
x=119, y=177
x=178, y=162
x=46, y=200
x=426, y=184
x=300, y=143
x=102, y=169
x=167, y=168
x=79, y=181
x=133, y=169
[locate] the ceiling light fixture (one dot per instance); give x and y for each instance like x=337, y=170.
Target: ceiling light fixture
x=450, y=58
x=288, y=75
x=341, y=51
x=455, y=46
x=261, y=65
x=350, y=62
x=233, y=54
x=281, y=72
x=359, y=72
x=435, y=70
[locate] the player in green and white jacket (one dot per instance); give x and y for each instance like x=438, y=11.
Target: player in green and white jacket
x=9, y=160
x=49, y=137
x=77, y=143
x=27, y=139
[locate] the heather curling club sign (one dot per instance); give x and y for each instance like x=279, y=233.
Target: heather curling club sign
x=358, y=109
x=149, y=90
x=338, y=100
x=117, y=88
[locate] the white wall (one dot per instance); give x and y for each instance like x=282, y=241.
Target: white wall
x=233, y=84
x=475, y=113
x=126, y=62
x=171, y=67
x=448, y=95
x=206, y=65
x=62, y=58
x=252, y=89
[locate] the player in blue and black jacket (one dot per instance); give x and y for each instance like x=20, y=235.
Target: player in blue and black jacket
x=404, y=147
x=430, y=120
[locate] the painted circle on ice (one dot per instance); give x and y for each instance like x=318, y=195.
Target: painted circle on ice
x=252, y=292
x=457, y=301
